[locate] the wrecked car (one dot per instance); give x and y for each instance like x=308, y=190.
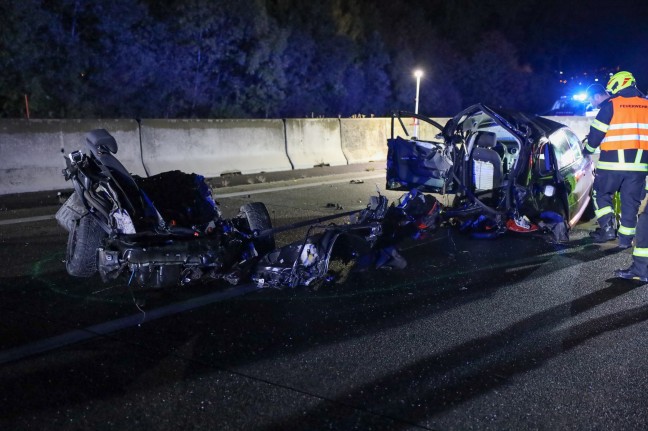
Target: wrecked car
x=507, y=170
x=158, y=231
x=167, y=230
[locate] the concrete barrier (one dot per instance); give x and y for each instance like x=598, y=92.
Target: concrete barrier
x=313, y=142
x=214, y=147
x=31, y=151
x=426, y=131
x=364, y=139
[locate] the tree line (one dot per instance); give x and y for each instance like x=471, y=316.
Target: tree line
x=264, y=58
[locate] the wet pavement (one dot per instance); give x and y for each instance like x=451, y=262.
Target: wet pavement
x=515, y=333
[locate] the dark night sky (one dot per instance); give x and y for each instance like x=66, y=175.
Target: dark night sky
x=582, y=36
x=596, y=34
x=612, y=40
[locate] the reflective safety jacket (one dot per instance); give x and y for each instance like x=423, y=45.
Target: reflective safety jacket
x=629, y=126
x=621, y=131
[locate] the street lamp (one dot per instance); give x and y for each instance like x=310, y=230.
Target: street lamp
x=417, y=73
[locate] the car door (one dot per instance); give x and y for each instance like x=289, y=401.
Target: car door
x=563, y=177
x=417, y=155
x=577, y=171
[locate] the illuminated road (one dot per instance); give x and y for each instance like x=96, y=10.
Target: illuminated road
x=508, y=334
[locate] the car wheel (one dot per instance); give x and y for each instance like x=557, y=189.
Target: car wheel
x=258, y=220
x=85, y=237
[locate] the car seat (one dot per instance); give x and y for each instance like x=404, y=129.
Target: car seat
x=486, y=163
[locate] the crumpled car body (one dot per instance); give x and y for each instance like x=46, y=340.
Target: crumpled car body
x=369, y=240
x=507, y=170
x=158, y=231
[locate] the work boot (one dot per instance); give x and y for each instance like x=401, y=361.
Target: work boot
x=632, y=273
x=604, y=234
x=624, y=242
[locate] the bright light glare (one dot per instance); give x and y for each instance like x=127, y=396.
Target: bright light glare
x=418, y=73
x=581, y=97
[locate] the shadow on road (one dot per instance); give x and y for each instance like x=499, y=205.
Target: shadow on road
x=440, y=382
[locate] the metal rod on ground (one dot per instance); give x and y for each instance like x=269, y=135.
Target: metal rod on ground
x=304, y=223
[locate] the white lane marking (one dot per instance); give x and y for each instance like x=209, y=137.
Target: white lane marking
x=26, y=219
x=297, y=186
x=105, y=328
x=219, y=196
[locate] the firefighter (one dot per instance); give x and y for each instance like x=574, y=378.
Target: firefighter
x=621, y=131
x=596, y=95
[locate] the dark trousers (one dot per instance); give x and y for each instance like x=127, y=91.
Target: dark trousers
x=640, y=252
x=631, y=187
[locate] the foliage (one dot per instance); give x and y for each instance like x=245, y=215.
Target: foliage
x=259, y=58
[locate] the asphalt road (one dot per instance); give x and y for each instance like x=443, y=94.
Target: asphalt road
x=515, y=333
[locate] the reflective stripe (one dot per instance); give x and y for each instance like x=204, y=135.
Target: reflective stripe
x=628, y=126
x=627, y=230
x=621, y=156
x=638, y=156
x=641, y=252
x=622, y=138
x=590, y=149
x=600, y=126
x=613, y=166
x=603, y=211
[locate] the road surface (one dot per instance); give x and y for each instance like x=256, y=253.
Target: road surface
x=515, y=333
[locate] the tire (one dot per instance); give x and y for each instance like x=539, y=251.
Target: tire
x=85, y=237
x=258, y=219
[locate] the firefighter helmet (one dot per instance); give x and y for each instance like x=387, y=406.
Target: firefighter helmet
x=619, y=81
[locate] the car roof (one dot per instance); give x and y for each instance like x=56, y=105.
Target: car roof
x=513, y=120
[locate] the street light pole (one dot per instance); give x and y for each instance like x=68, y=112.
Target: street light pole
x=417, y=73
